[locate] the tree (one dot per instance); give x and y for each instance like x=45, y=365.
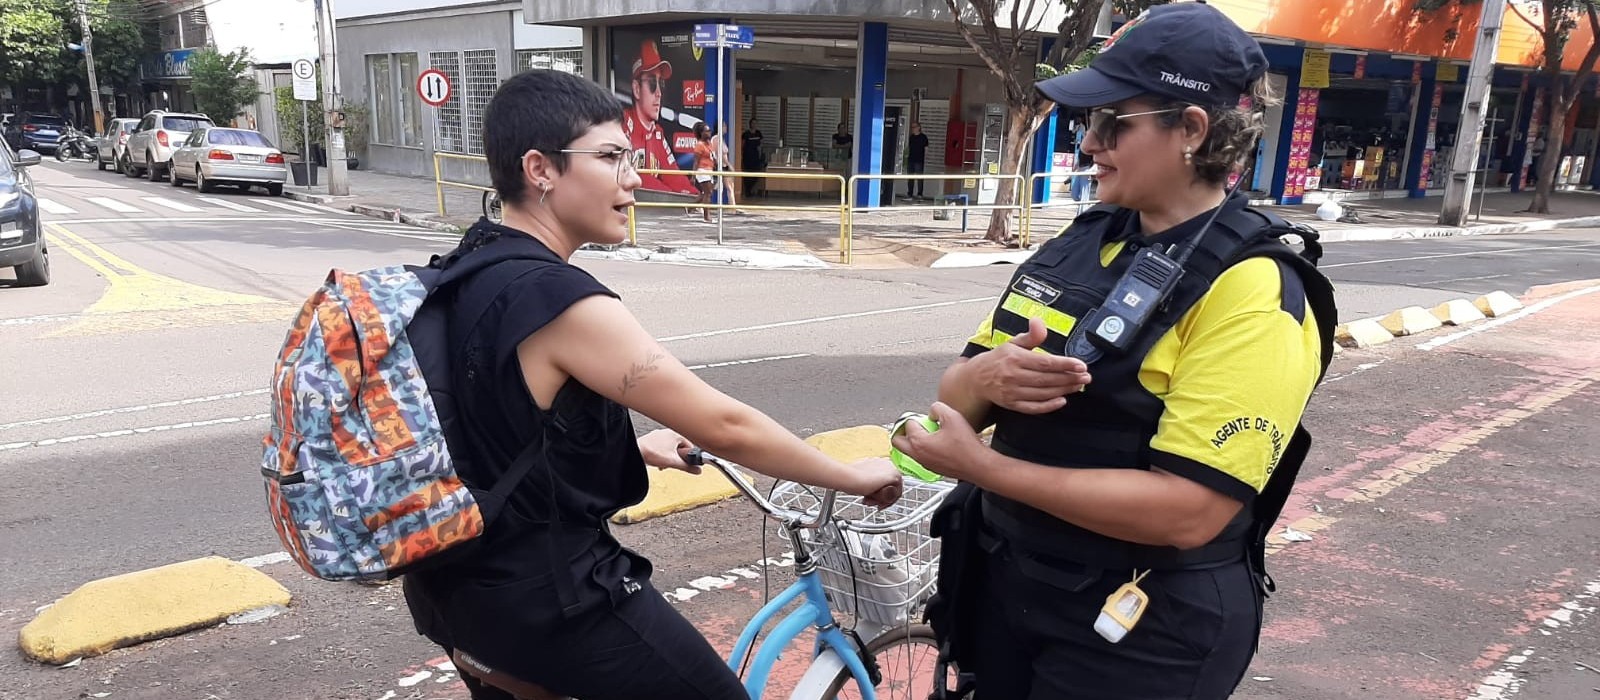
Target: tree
x=1006, y=52
x=35, y=33
x=33, y=41
x=222, y=83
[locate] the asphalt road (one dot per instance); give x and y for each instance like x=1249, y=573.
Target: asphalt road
x=135, y=393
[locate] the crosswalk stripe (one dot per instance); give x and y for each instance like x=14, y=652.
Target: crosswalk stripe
x=115, y=205
x=175, y=206
x=54, y=207
x=225, y=204
x=291, y=207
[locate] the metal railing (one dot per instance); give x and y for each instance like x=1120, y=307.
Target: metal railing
x=439, y=183
x=719, y=204
x=848, y=241
x=1033, y=181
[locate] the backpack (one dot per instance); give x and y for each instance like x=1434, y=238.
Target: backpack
x=359, y=477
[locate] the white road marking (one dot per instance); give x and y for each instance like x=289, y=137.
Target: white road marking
x=1495, y=323
x=824, y=319
x=1459, y=255
x=175, y=206
x=198, y=220
x=1364, y=367
x=134, y=409
x=265, y=560
x=225, y=204
x=115, y=205
x=285, y=205
x=1507, y=680
x=30, y=320
x=131, y=431
x=54, y=207
x=735, y=363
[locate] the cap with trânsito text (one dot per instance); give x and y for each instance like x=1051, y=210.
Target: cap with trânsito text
x=1187, y=51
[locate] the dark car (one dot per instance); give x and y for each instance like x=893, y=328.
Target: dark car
x=37, y=132
x=22, y=243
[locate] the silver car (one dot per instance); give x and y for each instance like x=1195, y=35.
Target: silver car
x=114, y=142
x=150, y=148
x=240, y=157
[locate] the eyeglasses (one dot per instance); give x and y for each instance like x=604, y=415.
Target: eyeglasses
x=624, y=157
x=1104, y=123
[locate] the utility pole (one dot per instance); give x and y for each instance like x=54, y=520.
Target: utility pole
x=1474, y=107
x=338, y=174
x=88, y=57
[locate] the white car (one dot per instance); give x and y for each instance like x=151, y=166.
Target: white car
x=238, y=157
x=114, y=142
x=160, y=133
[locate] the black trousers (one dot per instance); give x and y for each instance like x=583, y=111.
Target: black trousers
x=641, y=648
x=914, y=188
x=1036, y=639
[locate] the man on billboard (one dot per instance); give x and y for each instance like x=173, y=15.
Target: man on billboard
x=642, y=122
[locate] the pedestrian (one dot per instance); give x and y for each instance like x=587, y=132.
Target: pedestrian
x=705, y=165
x=916, y=160
x=549, y=362
x=755, y=159
x=1081, y=163
x=1109, y=541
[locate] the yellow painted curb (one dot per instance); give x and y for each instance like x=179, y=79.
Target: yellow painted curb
x=1457, y=312
x=125, y=610
x=673, y=491
x=1497, y=304
x=1410, y=321
x=1362, y=334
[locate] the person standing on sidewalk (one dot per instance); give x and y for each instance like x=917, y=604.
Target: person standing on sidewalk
x=1110, y=541
x=916, y=160
x=546, y=603
x=755, y=159
x=705, y=164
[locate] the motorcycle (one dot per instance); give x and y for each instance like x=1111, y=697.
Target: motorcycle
x=77, y=145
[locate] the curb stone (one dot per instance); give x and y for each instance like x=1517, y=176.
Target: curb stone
x=1367, y=332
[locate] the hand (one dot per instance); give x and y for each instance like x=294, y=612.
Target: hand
x=954, y=450
x=880, y=482
x=663, y=449
x=1015, y=377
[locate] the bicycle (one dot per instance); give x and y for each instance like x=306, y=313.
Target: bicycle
x=899, y=559
x=491, y=207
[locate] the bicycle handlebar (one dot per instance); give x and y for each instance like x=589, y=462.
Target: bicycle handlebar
x=798, y=519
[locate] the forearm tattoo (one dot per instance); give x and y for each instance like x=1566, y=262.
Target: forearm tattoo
x=640, y=370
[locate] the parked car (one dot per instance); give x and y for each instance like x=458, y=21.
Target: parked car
x=114, y=141
x=22, y=244
x=238, y=157
x=36, y=132
x=149, y=149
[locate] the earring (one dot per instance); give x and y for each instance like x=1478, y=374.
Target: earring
x=1188, y=155
x=545, y=189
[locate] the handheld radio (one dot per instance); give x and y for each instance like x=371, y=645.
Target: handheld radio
x=1142, y=290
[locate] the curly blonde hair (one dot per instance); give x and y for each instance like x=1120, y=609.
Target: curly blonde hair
x=1231, y=140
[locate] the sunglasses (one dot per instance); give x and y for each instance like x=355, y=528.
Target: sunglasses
x=1106, y=122
x=652, y=83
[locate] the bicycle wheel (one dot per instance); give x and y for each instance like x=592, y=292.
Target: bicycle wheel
x=907, y=656
x=491, y=206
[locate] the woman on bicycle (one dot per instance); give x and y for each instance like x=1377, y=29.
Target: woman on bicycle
x=547, y=603
x=1113, y=542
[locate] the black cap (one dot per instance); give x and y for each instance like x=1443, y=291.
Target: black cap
x=1188, y=51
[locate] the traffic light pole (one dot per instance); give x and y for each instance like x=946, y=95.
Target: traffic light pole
x=88, y=57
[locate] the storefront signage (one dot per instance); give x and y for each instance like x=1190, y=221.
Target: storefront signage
x=170, y=64
x=1361, y=67
x=1425, y=175
x=659, y=73
x=1305, y=126
x=1314, y=69
x=1448, y=73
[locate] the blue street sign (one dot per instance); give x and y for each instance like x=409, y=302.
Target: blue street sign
x=733, y=36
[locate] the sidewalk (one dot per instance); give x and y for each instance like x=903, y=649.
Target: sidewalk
x=910, y=235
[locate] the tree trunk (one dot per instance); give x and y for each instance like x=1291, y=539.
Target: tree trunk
x=1561, y=95
x=1024, y=120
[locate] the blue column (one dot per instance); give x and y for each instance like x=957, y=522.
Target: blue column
x=872, y=70
x=716, y=104
x=1044, y=140
x=1280, y=171
x=1419, y=134
x=1524, y=125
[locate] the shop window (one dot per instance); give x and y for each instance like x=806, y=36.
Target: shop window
x=380, y=79
x=396, y=110
x=483, y=78
x=451, y=134
x=406, y=97
x=565, y=60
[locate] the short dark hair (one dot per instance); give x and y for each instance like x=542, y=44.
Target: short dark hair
x=541, y=110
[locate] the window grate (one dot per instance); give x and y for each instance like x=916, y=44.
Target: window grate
x=565, y=60
x=483, y=78
x=451, y=133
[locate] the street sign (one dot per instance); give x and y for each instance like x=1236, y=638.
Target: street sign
x=732, y=36
x=305, y=81
x=433, y=86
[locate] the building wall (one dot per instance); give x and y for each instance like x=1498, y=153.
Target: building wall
x=893, y=11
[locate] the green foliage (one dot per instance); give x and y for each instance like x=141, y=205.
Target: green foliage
x=119, y=43
x=33, y=41
x=357, y=126
x=222, y=83
x=289, y=124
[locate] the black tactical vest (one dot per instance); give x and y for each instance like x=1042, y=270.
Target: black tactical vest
x=1111, y=424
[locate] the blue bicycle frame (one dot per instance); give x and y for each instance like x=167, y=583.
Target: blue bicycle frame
x=813, y=612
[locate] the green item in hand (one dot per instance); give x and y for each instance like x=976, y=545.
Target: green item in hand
x=903, y=461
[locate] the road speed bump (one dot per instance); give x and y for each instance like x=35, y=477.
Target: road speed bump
x=674, y=491
x=1497, y=304
x=1362, y=334
x=125, y=610
x=1410, y=321
x=1457, y=312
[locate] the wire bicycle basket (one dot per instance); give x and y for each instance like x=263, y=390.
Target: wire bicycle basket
x=880, y=577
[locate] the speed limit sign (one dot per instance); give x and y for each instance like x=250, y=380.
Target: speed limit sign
x=433, y=86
